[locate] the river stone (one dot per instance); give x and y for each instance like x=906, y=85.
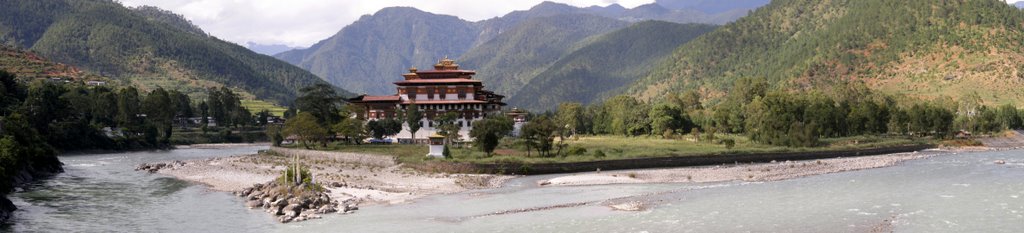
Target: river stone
x=292, y=210
x=253, y=204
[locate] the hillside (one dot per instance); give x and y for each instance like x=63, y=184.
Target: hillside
x=144, y=47
x=27, y=65
x=920, y=48
x=370, y=54
x=605, y=66
x=512, y=59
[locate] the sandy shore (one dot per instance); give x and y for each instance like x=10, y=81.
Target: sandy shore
x=757, y=172
x=367, y=184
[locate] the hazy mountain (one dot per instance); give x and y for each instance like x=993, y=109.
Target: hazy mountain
x=920, y=48
x=144, y=47
x=713, y=6
x=269, y=49
x=513, y=58
x=370, y=54
x=606, y=66
x=1019, y=4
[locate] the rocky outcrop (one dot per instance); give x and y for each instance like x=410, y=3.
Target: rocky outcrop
x=155, y=167
x=6, y=208
x=293, y=203
x=35, y=169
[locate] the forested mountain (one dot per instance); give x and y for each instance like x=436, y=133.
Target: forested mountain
x=145, y=47
x=170, y=18
x=921, y=48
x=370, y=54
x=512, y=59
x=606, y=66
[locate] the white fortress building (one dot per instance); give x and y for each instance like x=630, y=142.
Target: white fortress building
x=435, y=92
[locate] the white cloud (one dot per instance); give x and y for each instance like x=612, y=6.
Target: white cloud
x=304, y=22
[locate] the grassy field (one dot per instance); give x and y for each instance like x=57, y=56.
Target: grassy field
x=596, y=148
x=256, y=106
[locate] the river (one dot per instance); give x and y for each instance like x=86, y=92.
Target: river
x=963, y=192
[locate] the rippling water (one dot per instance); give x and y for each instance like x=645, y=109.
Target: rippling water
x=946, y=193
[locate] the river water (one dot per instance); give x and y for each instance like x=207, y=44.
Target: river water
x=964, y=192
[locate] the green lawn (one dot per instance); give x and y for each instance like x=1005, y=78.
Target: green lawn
x=618, y=147
x=256, y=106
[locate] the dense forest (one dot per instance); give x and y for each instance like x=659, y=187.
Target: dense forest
x=924, y=48
x=779, y=117
x=106, y=38
x=513, y=58
x=605, y=66
x=42, y=117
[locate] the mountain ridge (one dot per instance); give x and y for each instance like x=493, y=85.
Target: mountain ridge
x=111, y=40
x=375, y=72
x=918, y=48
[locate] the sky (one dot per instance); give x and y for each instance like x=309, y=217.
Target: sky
x=301, y=23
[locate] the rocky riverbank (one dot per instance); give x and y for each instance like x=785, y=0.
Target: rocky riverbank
x=293, y=203
x=349, y=180
x=6, y=208
x=37, y=169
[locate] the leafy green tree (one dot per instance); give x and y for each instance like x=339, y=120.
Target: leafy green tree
x=159, y=115
x=413, y=117
x=1009, y=117
x=305, y=128
x=204, y=114
x=382, y=128
x=571, y=115
x=487, y=133
x=540, y=134
x=353, y=129
x=446, y=126
x=322, y=101
x=667, y=118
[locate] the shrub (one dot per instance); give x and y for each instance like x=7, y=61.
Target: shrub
x=599, y=153
x=577, y=151
x=446, y=153
x=729, y=143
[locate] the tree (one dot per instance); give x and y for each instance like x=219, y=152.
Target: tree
x=489, y=131
x=382, y=128
x=665, y=118
x=445, y=125
x=1009, y=118
x=305, y=128
x=158, y=114
x=353, y=129
x=128, y=110
x=413, y=117
x=204, y=114
x=539, y=133
x=322, y=102
x=570, y=115
x=275, y=134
